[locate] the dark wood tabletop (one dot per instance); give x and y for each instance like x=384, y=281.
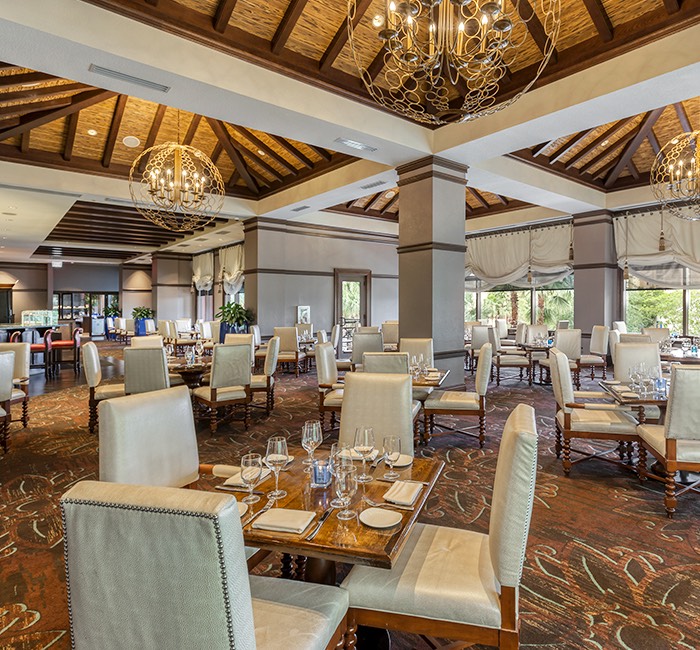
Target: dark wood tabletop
x=435, y=383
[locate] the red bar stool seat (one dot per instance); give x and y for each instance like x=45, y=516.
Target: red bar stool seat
x=73, y=344
x=43, y=348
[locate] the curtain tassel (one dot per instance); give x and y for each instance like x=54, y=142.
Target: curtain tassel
x=571, y=252
x=662, y=242
x=626, y=272
x=529, y=275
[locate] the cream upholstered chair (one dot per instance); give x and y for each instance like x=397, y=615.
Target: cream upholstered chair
x=20, y=377
x=7, y=365
x=460, y=403
x=110, y=330
x=569, y=342
x=676, y=443
x=321, y=337
x=305, y=330
x=265, y=383
x=620, y=326
x=289, y=348
x=454, y=583
x=205, y=330
x=365, y=342
x=330, y=390
x=588, y=420
x=257, y=338
x=657, y=334
x=563, y=325
x=151, y=341
x=98, y=391
x=417, y=347
x=390, y=331
x=502, y=331
x=382, y=401
x=613, y=340
x=172, y=563
x=598, y=357
x=241, y=339
x=390, y=362
x=367, y=329
x=183, y=326
x=635, y=338
x=480, y=335
x=504, y=359
x=335, y=337
x=145, y=370
x=229, y=384
x=128, y=329
x=150, y=326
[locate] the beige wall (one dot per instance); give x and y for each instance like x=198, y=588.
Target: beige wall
x=135, y=288
x=30, y=286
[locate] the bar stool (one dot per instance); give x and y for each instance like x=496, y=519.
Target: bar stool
x=44, y=348
x=73, y=344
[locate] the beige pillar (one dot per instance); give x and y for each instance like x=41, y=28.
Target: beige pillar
x=431, y=259
x=172, y=283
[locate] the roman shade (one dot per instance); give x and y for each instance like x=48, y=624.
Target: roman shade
x=203, y=271
x=232, y=262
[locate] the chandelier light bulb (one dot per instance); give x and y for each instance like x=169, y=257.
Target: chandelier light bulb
x=674, y=176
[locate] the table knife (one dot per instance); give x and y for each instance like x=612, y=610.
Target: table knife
x=391, y=480
x=378, y=460
x=323, y=518
x=233, y=488
x=265, y=508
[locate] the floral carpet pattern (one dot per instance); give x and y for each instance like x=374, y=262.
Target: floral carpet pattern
x=605, y=568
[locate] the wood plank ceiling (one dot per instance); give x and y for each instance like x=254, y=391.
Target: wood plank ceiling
x=308, y=39
x=617, y=155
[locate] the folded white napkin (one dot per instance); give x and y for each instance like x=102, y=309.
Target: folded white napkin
x=355, y=456
x=433, y=376
x=224, y=471
x=235, y=479
x=629, y=394
x=403, y=493
x=284, y=520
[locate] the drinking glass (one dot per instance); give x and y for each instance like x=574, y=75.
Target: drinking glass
x=199, y=347
x=169, y=350
x=276, y=459
x=311, y=438
x=345, y=487
x=392, y=451
x=685, y=345
x=251, y=471
x=364, y=446
x=339, y=457
x=634, y=376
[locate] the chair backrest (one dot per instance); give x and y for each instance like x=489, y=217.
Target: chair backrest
x=599, y=340
x=613, y=339
x=562, y=383
x=255, y=331
x=483, y=369
x=620, y=326
x=271, y=356
x=242, y=339
x=416, y=347
x=120, y=323
x=391, y=333
x=305, y=329
x=628, y=355
x=480, y=335
x=127, y=545
x=172, y=329
x=502, y=328
x=163, y=329
x=322, y=336
x=7, y=366
x=183, y=325
x=145, y=370
x=494, y=340
x=683, y=412
x=635, y=338
x=152, y=341
x=536, y=331
x=563, y=325
x=368, y=342
x=91, y=365
x=521, y=333
x=150, y=326
x=569, y=342
x=230, y=365
x=215, y=330
x=335, y=336
x=289, y=341
x=657, y=334
x=129, y=324
x=381, y=401
x=513, y=493
x=109, y=323
x=367, y=329
x=326, y=368
x=22, y=358
x=392, y=362
x=149, y=439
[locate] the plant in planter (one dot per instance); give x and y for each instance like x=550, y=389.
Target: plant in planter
x=234, y=318
x=112, y=311
x=140, y=315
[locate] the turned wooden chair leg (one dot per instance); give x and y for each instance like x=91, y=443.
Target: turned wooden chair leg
x=213, y=422
x=670, y=500
x=642, y=464
x=322, y=419
x=567, y=455
x=482, y=430
x=333, y=420
x=557, y=443
x=351, y=633
x=25, y=413
x=92, y=420
x=426, y=427
x=246, y=416
x=498, y=375
x=605, y=373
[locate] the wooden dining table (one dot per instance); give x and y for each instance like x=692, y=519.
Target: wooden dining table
x=191, y=373
x=639, y=402
x=428, y=381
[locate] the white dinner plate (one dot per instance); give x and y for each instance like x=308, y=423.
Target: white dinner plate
x=242, y=508
x=355, y=456
x=629, y=395
x=380, y=518
x=610, y=382
x=404, y=461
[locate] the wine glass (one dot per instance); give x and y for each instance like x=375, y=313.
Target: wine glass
x=311, y=438
x=392, y=452
x=345, y=487
x=251, y=471
x=634, y=376
x=199, y=347
x=169, y=350
x=339, y=457
x=364, y=446
x=276, y=459
x=685, y=346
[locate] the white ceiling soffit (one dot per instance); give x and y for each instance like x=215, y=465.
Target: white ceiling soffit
x=511, y=218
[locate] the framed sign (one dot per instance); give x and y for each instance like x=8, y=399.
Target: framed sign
x=303, y=314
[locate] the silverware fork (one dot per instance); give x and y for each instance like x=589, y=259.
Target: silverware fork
x=265, y=508
x=386, y=504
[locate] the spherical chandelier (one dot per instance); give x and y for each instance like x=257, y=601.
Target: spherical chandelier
x=674, y=176
x=179, y=188
x=443, y=61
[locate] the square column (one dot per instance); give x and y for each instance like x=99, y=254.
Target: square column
x=172, y=283
x=431, y=258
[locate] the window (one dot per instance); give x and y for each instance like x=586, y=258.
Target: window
x=470, y=305
x=647, y=305
x=555, y=302
x=72, y=306
x=506, y=301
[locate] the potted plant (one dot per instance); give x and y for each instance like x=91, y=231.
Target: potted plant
x=140, y=314
x=112, y=311
x=234, y=318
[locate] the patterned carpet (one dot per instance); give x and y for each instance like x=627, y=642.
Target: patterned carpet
x=605, y=568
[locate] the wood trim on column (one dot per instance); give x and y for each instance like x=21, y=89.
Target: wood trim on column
x=596, y=265
x=431, y=160
x=432, y=246
x=448, y=354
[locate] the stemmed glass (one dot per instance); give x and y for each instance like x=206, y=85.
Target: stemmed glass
x=169, y=350
x=199, y=347
x=392, y=452
x=634, y=376
x=276, y=459
x=364, y=446
x=311, y=438
x=251, y=471
x=339, y=457
x=345, y=487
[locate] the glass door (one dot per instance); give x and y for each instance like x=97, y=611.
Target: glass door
x=352, y=302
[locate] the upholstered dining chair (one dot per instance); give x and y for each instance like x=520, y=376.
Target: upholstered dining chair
x=620, y=326
x=20, y=377
x=454, y=583
x=241, y=339
x=676, y=443
x=417, y=347
x=150, y=326
x=480, y=335
x=172, y=563
x=577, y=419
x=365, y=342
x=321, y=337
x=390, y=331
x=391, y=362
x=635, y=338
x=265, y=383
x=305, y=330
x=71, y=345
x=229, y=385
x=657, y=334
x=145, y=370
x=381, y=401
x=367, y=329
x=110, y=330
x=335, y=337
x=93, y=377
x=569, y=342
x=150, y=341
x=45, y=349
x=598, y=357
x=563, y=324
x=290, y=353
x=7, y=366
x=504, y=359
x=502, y=331
x=330, y=389
x=460, y=403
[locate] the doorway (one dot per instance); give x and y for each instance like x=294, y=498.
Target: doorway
x=5, y=304
x=352, y=302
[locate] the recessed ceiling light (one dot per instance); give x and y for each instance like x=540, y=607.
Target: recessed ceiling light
x=354, y=144
x=605, y=143
x=131, y=141
x=378, y=21
x=92, y=132
x=11, y=207
x=261, y=152
x=31, y=84
x=390, y=194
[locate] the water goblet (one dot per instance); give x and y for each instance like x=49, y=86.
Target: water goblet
x=685, y=346
x=345, y=488
x=169, y=350
x=392, y=453
x=251, y=471
x=364, y=446
x=276, y=458
x=340, y=456
x=311, y=438
x=199, y=347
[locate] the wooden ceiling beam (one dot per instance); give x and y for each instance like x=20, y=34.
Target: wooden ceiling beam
x=377, y=64
x=8, y=122
x=683, y=117
x=633, y=170
x=101, y=225
x=114, y=130
x=71, y=130
x=222, y=134
x=502, y=199
x=647, y=123
x=600, y=19
x=654, y=142
x=390, y=204
x=233, y=179
x=192, y=129
x=606, y=135
x=534, y=27
x=341, y=36
x=292, y=151
x=8, y=66
x=608, y=151
x=320, y=151
x=257, y=159
x=70, y=233
x=24, y=142
x=11, y=80
x=34, y=107
x=152, y=2
x=568, y=146
x=32, y=93
x=371, y=203
x=224, y=10
x=287, y=24
x=672, y=6
x=152, y=135
x=266, y=148
x=479, y=199
x=78, y=102
x=218, y=148
x=541, y=148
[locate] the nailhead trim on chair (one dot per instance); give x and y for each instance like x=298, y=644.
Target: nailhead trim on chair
x=163, y=511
